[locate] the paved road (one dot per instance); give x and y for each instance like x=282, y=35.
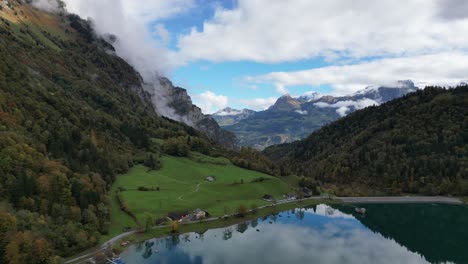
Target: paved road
x=402, y=199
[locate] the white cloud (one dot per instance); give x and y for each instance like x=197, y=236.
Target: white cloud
x=453, y=9
x=48, y=5
x=258, y=103
x=277, y=31
x=343, y=107
x=145, y=10
x=448, y=68
x=162, y=33
x=210, y=102
x=280, y=88
x=128, y=21
x=302, y=112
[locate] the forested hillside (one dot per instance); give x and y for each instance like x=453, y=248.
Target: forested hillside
x=72, y=116
x=416, y=144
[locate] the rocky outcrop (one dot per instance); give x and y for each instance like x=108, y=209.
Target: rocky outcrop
x=286, y=103
x=183, y=109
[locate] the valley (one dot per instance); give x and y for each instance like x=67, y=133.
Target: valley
x=294, y=118
x=108, y=153
x=178, y=181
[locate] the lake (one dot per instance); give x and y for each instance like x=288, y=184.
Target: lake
x=387, y=233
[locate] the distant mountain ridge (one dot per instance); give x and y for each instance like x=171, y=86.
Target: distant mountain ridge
x=415, y=144
x=293, y=118
x=229, y=116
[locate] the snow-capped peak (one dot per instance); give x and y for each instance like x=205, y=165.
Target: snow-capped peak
x=309, y=96
x=228, y=111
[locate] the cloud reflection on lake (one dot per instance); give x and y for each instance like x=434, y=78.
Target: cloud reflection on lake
x=320, y=236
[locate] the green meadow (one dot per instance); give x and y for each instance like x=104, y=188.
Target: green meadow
x=183, y=187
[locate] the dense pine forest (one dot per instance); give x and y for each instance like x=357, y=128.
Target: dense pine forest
x=72, y=116
x=417, y=144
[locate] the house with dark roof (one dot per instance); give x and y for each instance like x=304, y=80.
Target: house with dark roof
x=268, y=198
x=307, y=192
x=177, y=216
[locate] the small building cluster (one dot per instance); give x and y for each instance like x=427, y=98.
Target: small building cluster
x=307, y=192
x=268, y=198
x=290, y=196
x=197, y=214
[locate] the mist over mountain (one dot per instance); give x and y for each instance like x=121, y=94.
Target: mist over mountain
x=293, y=118
x=181, y=104
x=229, y=116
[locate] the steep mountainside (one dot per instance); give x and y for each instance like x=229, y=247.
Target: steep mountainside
x=415, y=144
x=192, y=115
x=229, y=116
x=292, y=119
x=72, y=116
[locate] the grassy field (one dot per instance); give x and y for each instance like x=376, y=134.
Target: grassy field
x=183, y=187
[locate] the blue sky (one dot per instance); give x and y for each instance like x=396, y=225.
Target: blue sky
x=226, y=78
x=247, y=53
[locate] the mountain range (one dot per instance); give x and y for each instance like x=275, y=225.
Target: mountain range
x=414, y=144
x=294, y=118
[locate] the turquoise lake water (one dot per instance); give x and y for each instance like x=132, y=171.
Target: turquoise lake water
x=387, y=233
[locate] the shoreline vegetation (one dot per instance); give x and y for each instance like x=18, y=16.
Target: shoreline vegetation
x=218, y=222
x=134, y=236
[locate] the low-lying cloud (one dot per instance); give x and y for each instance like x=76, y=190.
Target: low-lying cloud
x=210, y=102
x=343, y=107
x=48, y=5
x=128, y=21
x=258, y=103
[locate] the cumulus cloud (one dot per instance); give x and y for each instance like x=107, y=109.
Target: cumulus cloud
x=127, y=20
x=210, y=102
x=278, y=31
x=448, y=68
x=343, y=107
x=258, y=103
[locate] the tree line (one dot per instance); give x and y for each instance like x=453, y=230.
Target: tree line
x=417, y=144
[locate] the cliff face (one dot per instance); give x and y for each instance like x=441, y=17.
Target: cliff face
x=182, y=109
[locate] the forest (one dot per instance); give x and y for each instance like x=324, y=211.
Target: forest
x=73, y=115
x=417, y=144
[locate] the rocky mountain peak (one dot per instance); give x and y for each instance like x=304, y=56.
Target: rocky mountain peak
x=185, y=111
x=286, y=103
